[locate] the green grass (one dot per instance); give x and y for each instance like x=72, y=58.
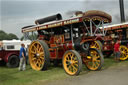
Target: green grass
x=12, y=76
x=110, y=62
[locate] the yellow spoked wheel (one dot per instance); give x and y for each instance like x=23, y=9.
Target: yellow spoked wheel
x=96, y=44
x=72, y=62
x=124, y=52
x=39, y=55
x=95, y=60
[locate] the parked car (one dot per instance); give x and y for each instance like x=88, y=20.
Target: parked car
x=9, y=51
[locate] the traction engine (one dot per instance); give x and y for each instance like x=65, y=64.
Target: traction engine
x=70, y=41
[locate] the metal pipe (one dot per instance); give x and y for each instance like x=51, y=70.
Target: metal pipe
x=122, y=14
x=72, y=34
x=103, y=28
x=91, y=27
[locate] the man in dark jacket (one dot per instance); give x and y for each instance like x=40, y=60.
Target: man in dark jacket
x=22, y=56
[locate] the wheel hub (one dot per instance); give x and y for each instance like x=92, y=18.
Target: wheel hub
x=37, y=54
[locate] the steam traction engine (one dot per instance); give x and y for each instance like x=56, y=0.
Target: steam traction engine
x=114, y=32
x=68, y=40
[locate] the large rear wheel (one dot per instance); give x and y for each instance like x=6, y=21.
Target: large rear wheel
x=94, y=61
x=39, y=56
x=124, y=52
x=72, y=62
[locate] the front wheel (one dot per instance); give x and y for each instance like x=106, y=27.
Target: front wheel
x=72, y=62
x=94, y=60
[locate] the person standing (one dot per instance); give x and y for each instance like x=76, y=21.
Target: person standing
x=117, y=50
x=22, y=56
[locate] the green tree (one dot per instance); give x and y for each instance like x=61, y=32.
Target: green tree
x=12, y=36
x=5, y=36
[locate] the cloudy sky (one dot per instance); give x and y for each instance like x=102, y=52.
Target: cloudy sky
x=15, y=14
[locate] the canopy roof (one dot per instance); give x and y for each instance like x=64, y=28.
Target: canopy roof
x=93, y=15
x=116, y=26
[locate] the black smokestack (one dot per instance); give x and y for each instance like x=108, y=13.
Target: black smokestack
x=122, y=14
x=49, y=18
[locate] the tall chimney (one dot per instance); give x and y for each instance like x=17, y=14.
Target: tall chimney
x=122, y=14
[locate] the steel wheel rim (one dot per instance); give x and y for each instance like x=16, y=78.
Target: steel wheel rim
x=124, y=52
x=93, y=61
x=95, y=45
x=70, y=63
x=36, y=55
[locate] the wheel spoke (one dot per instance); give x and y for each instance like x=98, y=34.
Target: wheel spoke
x=42, y=58
x=97, y=57
x=41, y=54
x=67, y=58
x=93, y=64
x=72, y=55
x=97, y=63
x=69, y=67
x=33, y=58
x=34, y=47
x=76, y=65
x=75, y=62
x=74, y=68
x=33, y=52
x=40, y=49
x=32, y=55
x=95, y=44
x=37, y=47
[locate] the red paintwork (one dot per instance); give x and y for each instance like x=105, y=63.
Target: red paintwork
x=99, y=38
x=108, y=47
x=60, y=53
x=53, y=53
x=57, y=51
x=5, y=54
x=116, y=27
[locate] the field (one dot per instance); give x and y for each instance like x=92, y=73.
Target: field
x=11, y=76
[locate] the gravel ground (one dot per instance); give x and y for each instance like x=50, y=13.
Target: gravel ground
x=115, y=75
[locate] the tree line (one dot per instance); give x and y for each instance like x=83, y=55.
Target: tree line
x=7, y=36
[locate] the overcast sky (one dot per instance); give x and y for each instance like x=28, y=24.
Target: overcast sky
x=15, y=14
